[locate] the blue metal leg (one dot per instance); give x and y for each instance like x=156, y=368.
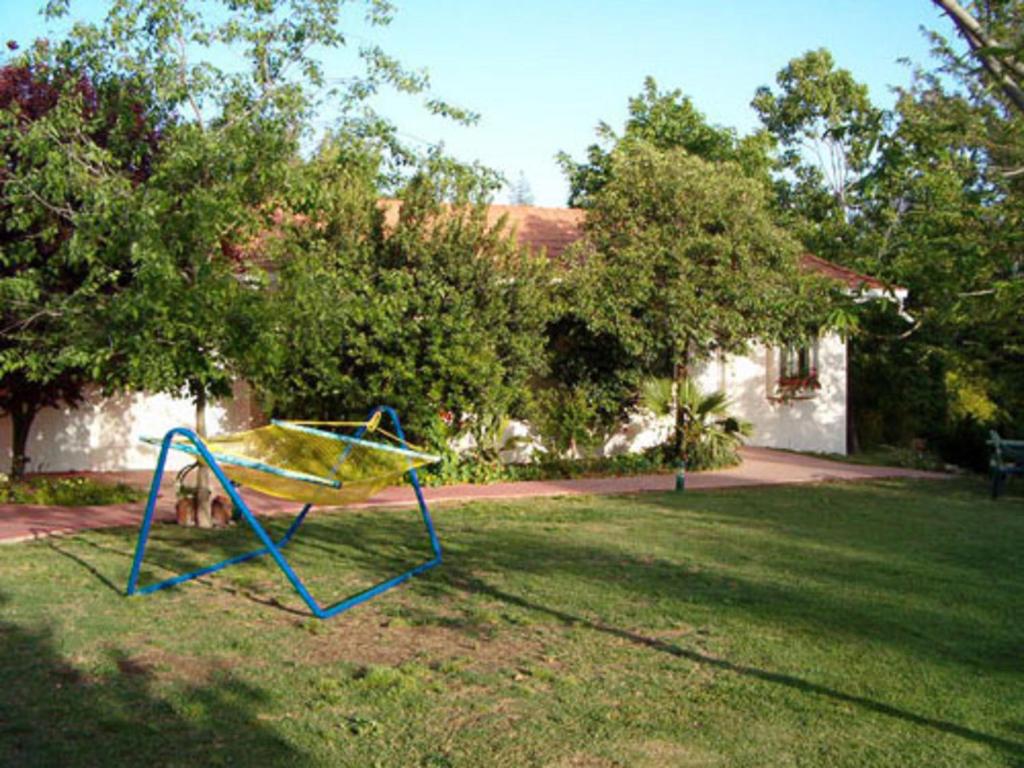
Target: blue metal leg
x=269, y=546
x=147, y=518
x=424, y=511
x=361, y=597
x=294, y=526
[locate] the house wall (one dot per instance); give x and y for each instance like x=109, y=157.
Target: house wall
x=816, y=424
x=102, y=434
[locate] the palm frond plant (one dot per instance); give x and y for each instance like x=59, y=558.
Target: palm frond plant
x=711, y=437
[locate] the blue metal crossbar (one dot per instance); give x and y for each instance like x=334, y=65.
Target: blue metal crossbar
x=270, y=547
x=259, y=466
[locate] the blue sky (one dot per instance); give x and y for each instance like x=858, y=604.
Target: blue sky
x=543, y=73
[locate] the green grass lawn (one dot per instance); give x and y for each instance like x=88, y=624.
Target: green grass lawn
x=859, y=624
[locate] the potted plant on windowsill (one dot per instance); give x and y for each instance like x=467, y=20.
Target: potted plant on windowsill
x=789, y=388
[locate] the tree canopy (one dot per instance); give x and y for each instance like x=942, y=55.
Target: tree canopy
x=683, y=259
x=665, y=120
x=74, y=145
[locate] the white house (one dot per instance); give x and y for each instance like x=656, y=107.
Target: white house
x=795, y=398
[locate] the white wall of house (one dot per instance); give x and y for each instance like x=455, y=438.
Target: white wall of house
x=102, y=434
x=817, y=423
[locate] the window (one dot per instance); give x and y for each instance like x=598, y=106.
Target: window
x=796, y=373
x=798, y=362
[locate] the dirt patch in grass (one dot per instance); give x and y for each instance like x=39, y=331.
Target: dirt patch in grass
x=659, y=752
x=585, y=760
x=164, y=666
x=367, y=638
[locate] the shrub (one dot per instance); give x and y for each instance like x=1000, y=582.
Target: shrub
x=66, y=492
x=711, y=437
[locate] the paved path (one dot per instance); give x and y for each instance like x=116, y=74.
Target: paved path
x=761, y=466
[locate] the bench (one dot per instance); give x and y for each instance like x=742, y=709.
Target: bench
x=1007, y=459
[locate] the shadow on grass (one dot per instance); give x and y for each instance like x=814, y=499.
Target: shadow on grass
x=799, y=583
x=53, y=712
x=873, y=598
x=477, y=586
x=920, y=623
x=180, y=565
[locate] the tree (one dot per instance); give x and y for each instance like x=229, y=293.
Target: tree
x=232, y=142
x=943, y=215
x=520, y=193
x=926, y=204
x=994, y=39
x=822, y=111
x=425, y=306
x=665, y=120
x=72, y=146
x=828, y=131
x=683, y=260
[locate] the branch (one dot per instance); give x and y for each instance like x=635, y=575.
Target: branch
x=978, y=41
x=183, y=73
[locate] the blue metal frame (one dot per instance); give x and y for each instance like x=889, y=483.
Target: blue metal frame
x=269, y=545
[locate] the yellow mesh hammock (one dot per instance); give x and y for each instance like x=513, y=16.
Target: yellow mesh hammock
x=299, y=461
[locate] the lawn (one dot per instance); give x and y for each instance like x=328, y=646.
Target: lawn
x=856, y=624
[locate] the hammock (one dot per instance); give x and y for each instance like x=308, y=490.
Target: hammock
x=300, y=462
x=297, y=461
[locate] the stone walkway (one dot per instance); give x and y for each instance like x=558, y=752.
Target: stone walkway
x=760, y=467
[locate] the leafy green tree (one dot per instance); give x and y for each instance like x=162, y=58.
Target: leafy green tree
x=600, y=362
x=824, y=111
x=73, y=145
x=828, y=131
x=926, y=198
x=232, y=141
x=683, y=259
x=942, y=216
x=429, y=308
x=992, y=31
x=666, y=120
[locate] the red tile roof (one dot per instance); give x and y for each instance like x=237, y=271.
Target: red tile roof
x=555, y=229
x=813, y=263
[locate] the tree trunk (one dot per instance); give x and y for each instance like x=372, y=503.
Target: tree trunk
x=1005, y=70
x=680, y=373
x=22, y=416
x=204, y=494
x=852, y=443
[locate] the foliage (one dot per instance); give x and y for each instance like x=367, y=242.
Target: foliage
x=926, y=206
x=712, y=437
x=683, y=259
x=823, y=111
x=583, y=359
x=73, y=143
x=569, y=421
x=66, y=492
x=429, y=308
x=992, y=33
x=665, y=120
x=551, y=467
x=185, y=233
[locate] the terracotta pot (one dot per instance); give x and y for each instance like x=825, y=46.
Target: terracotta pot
x=220, y=509
x=185, y=511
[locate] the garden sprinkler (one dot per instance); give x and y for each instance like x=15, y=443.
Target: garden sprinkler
x=681, y=476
